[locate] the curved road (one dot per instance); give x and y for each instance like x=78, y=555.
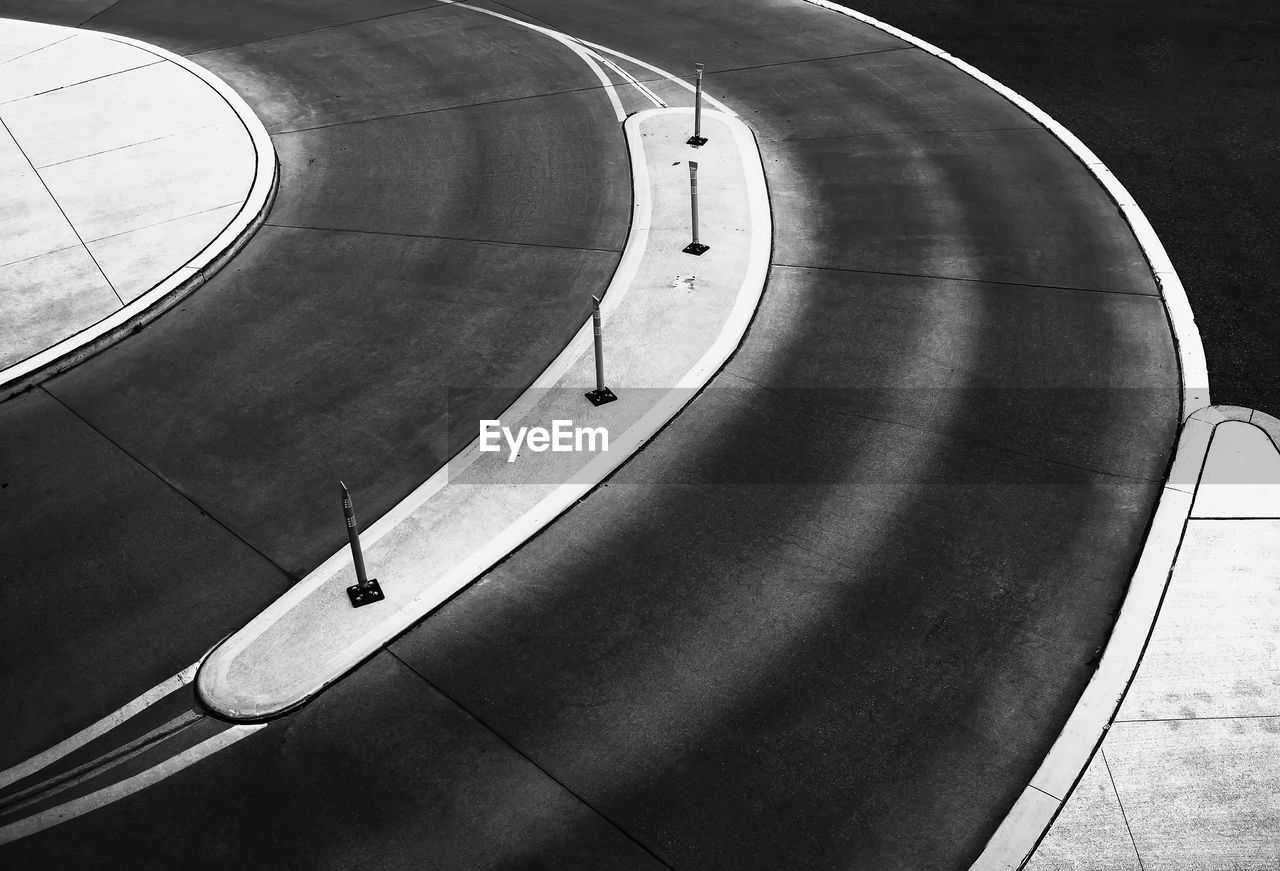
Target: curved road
x=832, y=617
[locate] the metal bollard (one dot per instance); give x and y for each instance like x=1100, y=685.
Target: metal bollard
x=694, y=247
x=601, y=394
x=697, y=138
x=366, y=590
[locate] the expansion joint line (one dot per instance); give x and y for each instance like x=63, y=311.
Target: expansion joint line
x=44, y=388
x=62, y=211
x=529, y=759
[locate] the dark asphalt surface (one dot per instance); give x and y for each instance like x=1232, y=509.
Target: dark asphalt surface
x=832, y=617
x=161, y=494
x=1179, y=100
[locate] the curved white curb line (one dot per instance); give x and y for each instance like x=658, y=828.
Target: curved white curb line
x=1020, y=832
x=186, y=278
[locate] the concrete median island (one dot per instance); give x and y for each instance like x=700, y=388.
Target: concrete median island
x=664, y=340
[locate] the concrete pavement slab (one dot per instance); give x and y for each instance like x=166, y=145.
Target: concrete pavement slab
x=48, y=298
x=35, y=224
x=139, y=105
x=151, y=182
x=137, y=260
x=23, y=37
x=119, y=138
x=65, y=62
x=1092, y=824
x=1213, y=651
x=1200, y=794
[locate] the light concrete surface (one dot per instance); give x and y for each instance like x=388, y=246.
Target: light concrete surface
x=663, y=342
x=1092, y=824
x=129, y=172
x=72, y=293
x=24, y=37
x=137, y=260
x=80, y=57
x=1192, y=761
x=34, y=225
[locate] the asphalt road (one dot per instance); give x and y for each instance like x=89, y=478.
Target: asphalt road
x=1179, y=100
x=832, y=617
x=426, y=255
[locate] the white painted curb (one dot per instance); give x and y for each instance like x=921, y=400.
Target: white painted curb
x=1034, y=811
x=74, y=349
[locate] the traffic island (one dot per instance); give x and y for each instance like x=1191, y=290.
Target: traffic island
x=669, y=322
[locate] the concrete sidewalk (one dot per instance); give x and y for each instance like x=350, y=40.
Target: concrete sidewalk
x=126, y=174
x=1188, y=775
x=671, y=320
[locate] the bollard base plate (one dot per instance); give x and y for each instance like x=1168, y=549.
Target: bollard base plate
x=696, y=248
x=601, y=396
x=696, y=141
x=365, y=594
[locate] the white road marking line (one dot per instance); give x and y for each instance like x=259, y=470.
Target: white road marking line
x=569, y=43
x=679, y=81
x=51, y=786
x=105, y=796
x=639, y=86
x=106, y=724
